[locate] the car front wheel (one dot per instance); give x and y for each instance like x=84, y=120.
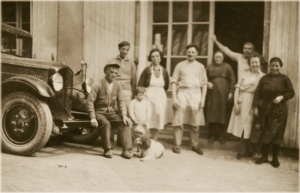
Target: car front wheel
x=26, y=123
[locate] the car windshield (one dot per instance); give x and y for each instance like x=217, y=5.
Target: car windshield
x=15, y=41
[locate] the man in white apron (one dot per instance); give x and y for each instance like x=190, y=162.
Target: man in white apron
x=189, y=86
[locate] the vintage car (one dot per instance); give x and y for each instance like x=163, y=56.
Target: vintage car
x=37, y=101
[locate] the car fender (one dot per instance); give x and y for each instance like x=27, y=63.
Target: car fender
x=36, y=84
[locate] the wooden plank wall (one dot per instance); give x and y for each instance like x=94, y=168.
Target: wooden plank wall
x=284, y=43
x=44, y=30
x=106, y=23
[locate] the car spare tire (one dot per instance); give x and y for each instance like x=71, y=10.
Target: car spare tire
x=26, y=123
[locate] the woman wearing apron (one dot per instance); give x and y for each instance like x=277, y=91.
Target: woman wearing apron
x=155, y=79
x=242, y=114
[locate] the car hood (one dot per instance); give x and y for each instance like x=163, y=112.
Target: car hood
x=33, y=63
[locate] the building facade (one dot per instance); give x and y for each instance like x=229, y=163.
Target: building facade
x=70, y=32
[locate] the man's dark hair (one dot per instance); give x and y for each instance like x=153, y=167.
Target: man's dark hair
x=192, y=46
x=250, y=43
x=123, y=43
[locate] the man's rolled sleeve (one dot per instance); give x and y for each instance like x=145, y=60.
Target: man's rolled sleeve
x=176, y=74
x=90, y=101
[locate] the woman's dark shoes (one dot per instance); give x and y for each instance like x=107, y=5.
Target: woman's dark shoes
x=249, y=154
x=176, y=149
x=261, y=160
x=275, y=163
x=222, y=140
x=239, y=156
x=211, y=139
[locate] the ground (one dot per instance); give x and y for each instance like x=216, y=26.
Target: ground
x=72, y=168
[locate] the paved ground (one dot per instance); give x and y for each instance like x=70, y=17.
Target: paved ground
x=72, y=167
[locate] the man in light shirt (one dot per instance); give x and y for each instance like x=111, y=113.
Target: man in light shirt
x=100, y=105
x=241, y=59
x=188, y=91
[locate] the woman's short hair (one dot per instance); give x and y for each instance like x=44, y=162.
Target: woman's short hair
x=256, y=55
x=123, y=43
x=155, y=50
x=219, y=51
x=192, y=46
x=276, y=59
x=140, y=89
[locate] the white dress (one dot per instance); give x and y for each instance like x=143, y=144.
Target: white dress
x=243, y=122
x=158, y=101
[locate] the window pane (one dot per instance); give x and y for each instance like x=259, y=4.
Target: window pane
x=160, y=37
x=202, y=61
x=26, y=26
x=8, y=43
x=26, y=50
x=25, y=12
x=180, y=11
x=174, y=62
x=200, y=38
x=160, y=12
x=179, y=39
x=9, y=12
x=200, y=11
x=164, y=62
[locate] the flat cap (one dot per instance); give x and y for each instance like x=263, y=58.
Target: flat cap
x=111, y=63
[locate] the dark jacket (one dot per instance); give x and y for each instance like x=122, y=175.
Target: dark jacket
x=146, y=77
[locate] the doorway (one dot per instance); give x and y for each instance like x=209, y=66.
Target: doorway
x=237, y=23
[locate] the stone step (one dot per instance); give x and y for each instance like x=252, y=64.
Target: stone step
x=167, y=133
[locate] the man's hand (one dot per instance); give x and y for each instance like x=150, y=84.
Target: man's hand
x=127, y=121
x=230, y=96
x=201, y=104
x=135, y=122
x=255, y=112
x=237, y=109
x=94, y=122
x=210, y=85
x=278, y=99
x=214, y=37
x=175, y=105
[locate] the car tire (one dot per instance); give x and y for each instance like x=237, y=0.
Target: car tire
x=26, y=123
x=77, y=136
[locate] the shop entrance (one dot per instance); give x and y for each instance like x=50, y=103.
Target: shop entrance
x=237, y=23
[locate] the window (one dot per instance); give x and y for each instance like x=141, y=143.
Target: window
x=16, y=14
x=176, y=24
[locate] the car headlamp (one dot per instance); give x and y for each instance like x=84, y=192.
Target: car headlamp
x=57, y=82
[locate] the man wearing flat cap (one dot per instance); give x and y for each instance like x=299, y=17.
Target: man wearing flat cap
x=100, y=105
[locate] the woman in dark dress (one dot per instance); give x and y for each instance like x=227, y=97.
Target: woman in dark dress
x=269, y=104
x=221, y=81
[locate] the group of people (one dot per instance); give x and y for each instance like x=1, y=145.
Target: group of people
x=259, y=112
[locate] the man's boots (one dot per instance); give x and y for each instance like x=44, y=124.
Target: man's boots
x=264, y=152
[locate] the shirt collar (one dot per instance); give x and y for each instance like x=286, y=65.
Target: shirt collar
x=119, y=58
